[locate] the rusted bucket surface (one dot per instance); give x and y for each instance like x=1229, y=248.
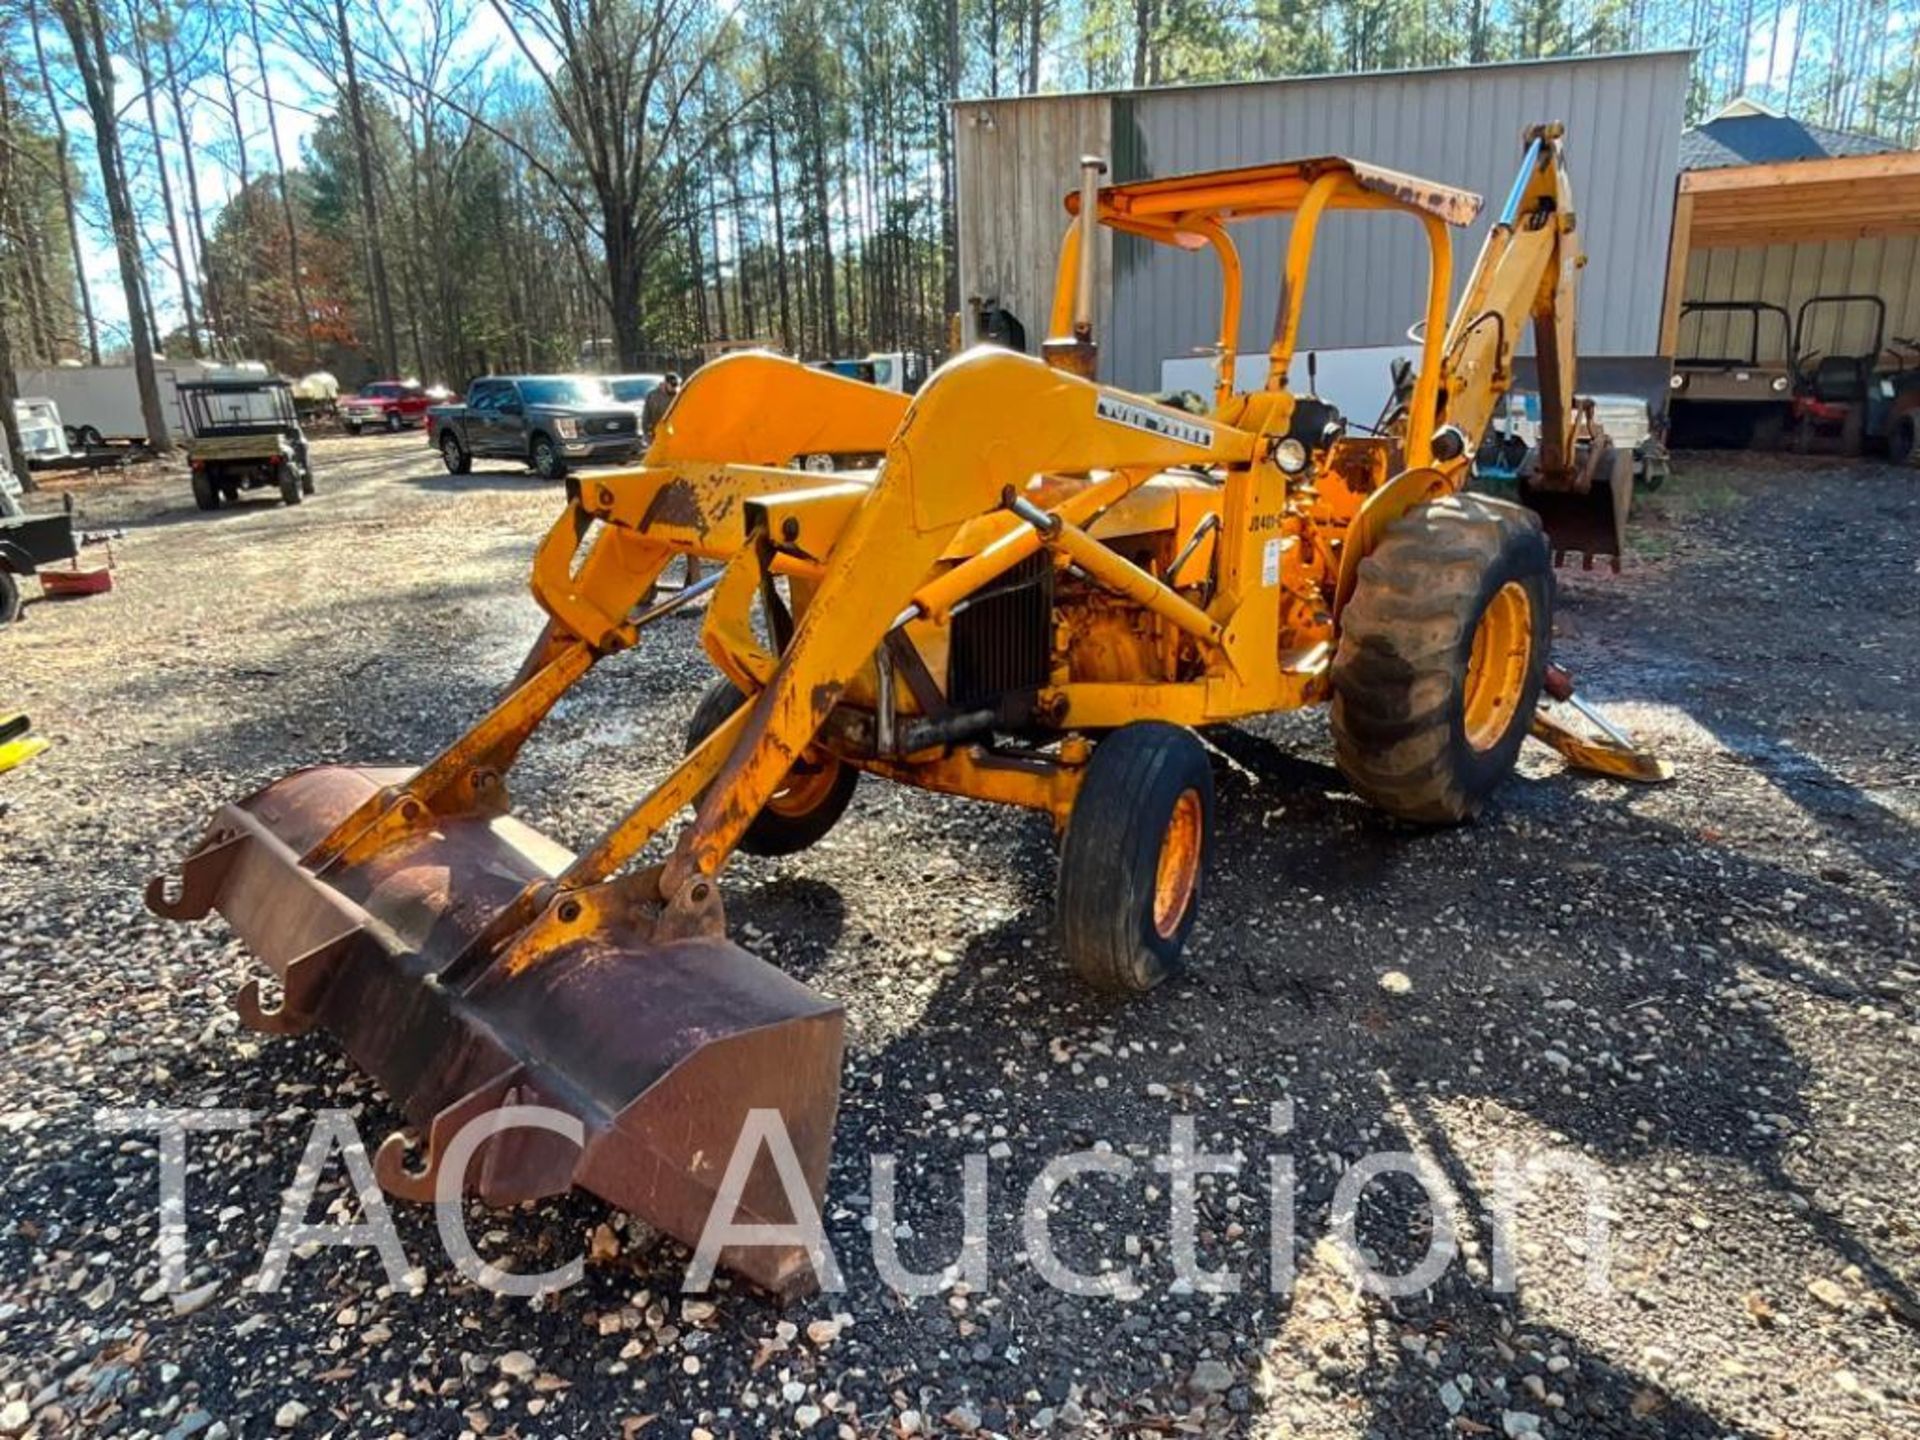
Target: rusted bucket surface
x=1590, y=523
x=659, y=1048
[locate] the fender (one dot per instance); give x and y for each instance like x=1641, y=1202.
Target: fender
x=1386, y=505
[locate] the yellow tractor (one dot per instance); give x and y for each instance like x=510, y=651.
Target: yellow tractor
x=1041, y=592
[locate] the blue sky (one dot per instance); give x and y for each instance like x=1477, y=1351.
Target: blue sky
x=301, y=97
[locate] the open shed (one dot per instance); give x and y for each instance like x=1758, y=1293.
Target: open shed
x=1775, y=210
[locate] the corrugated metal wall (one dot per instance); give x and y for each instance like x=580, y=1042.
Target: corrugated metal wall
x=1459, y=126
x=1789, y=275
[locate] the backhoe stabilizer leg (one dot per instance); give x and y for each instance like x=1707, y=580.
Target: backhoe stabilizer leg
x=1612, y=752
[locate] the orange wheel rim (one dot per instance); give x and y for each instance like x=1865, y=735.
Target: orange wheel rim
x=806, y=785
x=1178, y=871
x=1498, y=667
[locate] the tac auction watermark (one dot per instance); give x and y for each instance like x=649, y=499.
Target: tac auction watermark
x=1178, y=1170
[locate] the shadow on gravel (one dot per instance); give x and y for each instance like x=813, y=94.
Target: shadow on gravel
x=251, y=503
x=1308, y=889
x=519, y=482
x=1571, y=923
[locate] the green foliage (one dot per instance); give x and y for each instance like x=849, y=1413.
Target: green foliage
x=37, y=287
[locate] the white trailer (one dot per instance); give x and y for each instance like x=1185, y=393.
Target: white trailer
x=100, y=404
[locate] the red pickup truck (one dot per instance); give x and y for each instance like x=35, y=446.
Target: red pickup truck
x=385, y=404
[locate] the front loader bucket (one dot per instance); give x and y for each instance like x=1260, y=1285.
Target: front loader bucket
x=659, y=1047
x=1591, y=523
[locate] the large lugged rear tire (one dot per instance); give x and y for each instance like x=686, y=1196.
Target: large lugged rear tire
x=1134, y=853
x=808, y=804
x=1442, y=650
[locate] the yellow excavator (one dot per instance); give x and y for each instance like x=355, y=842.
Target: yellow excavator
x=1042, y=591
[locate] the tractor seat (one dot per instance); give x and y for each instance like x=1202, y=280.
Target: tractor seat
x=1840, y=378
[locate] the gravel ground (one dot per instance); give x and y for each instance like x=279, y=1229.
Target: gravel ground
x=1707, y=992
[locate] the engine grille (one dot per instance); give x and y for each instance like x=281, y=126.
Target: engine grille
x=1000, y=641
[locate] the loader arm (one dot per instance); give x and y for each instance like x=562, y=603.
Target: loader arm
x=936, y=477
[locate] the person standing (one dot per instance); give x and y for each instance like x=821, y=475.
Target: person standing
x=659, y=400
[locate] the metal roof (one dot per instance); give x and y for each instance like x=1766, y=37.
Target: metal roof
x=1491, y=68
x=1251, y=191
x=1765, y=139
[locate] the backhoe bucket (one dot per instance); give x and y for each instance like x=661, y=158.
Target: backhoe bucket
x=1591, y=523
x=658, y=1042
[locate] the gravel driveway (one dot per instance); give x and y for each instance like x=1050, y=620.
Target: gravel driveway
x=1705, y=993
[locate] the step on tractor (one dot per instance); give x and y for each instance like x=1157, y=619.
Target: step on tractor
x=1040, y=595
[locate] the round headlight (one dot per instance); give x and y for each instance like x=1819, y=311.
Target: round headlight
x=1290, y=455
x=1676, y=382
x=1780, y=384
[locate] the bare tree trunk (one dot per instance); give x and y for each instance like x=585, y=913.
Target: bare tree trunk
x=11, y=450
x=719, y=266
x=243, y=272
x=779, y=238
x=1036, y=18
x=286, y=195
x=181, y=262
x=363, y=148
x=943, y=118
x=63, y=156
x=196, y=216
x=86, y=31
x=742, y=251
x=828, y=303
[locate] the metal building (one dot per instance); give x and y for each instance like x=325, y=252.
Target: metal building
x=1016, y=159
x=1779, y=211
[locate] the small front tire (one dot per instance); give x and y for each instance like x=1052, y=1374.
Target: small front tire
x=1133, y=857
x=810, y=801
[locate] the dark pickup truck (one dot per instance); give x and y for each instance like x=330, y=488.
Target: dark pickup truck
x=549, y=422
